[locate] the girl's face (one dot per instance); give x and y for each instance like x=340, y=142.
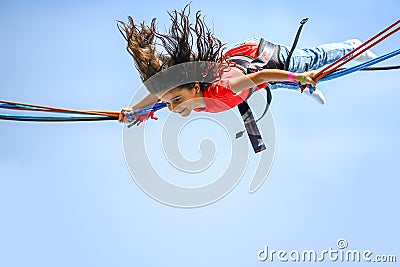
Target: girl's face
x=183, y=100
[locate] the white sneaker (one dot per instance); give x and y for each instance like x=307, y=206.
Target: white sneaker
x=316, y=95
x=367, y=55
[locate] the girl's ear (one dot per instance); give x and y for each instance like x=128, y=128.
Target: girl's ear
x=197, y=87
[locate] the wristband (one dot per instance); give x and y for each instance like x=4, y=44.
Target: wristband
x=290, y=76
x=302, y=80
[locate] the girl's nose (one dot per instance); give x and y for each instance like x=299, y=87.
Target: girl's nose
x=172, y=106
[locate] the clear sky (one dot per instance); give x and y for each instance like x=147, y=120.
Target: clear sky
x=67, y=197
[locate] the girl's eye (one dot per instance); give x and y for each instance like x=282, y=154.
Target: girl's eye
x=177, y=100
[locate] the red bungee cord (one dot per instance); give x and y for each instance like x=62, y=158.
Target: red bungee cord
x=20, y=106
x=356, y=52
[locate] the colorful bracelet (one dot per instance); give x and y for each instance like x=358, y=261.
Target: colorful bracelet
x=302, y=80
x=290, y=76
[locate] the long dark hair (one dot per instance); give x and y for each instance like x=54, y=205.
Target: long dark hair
x=183, y=42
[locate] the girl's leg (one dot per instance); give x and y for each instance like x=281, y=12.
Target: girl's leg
x=316, y=57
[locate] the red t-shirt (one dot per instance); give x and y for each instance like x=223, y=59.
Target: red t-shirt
x=247, y=49
x=219, y=95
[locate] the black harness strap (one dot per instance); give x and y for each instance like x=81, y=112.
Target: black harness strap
x=296, y=39
x=251, y=127
x=267, y=58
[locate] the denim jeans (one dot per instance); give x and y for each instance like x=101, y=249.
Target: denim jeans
x=317, y=57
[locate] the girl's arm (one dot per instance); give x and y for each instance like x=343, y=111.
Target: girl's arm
x=269, y=75
x=146, y=101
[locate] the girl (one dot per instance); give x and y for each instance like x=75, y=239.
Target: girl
x=253, y=63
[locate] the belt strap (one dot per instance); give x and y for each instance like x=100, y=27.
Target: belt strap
x=251, y=127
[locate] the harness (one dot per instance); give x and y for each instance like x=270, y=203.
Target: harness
x=267, y=58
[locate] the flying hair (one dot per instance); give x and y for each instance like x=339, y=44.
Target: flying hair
x=183, y=42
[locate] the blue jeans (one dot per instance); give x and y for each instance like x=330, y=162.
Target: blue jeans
x=317, y=57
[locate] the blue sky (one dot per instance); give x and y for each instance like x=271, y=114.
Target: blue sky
x=67, y=197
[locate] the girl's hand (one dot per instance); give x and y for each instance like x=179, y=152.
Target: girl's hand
x=122, y=118
x=305, y=77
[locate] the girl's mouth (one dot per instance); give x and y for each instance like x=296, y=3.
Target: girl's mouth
x=181, y=111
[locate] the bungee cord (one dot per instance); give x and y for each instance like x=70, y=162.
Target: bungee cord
x=357, y=51
x=135, y=117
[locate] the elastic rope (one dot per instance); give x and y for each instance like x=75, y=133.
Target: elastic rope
x=93, y=115
x=394, y=67
x=358, y=48
x=52, y=119
x=23, y=106
x=325, y=71
x=358, y=53
x=379, y=68
x=360, y=66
